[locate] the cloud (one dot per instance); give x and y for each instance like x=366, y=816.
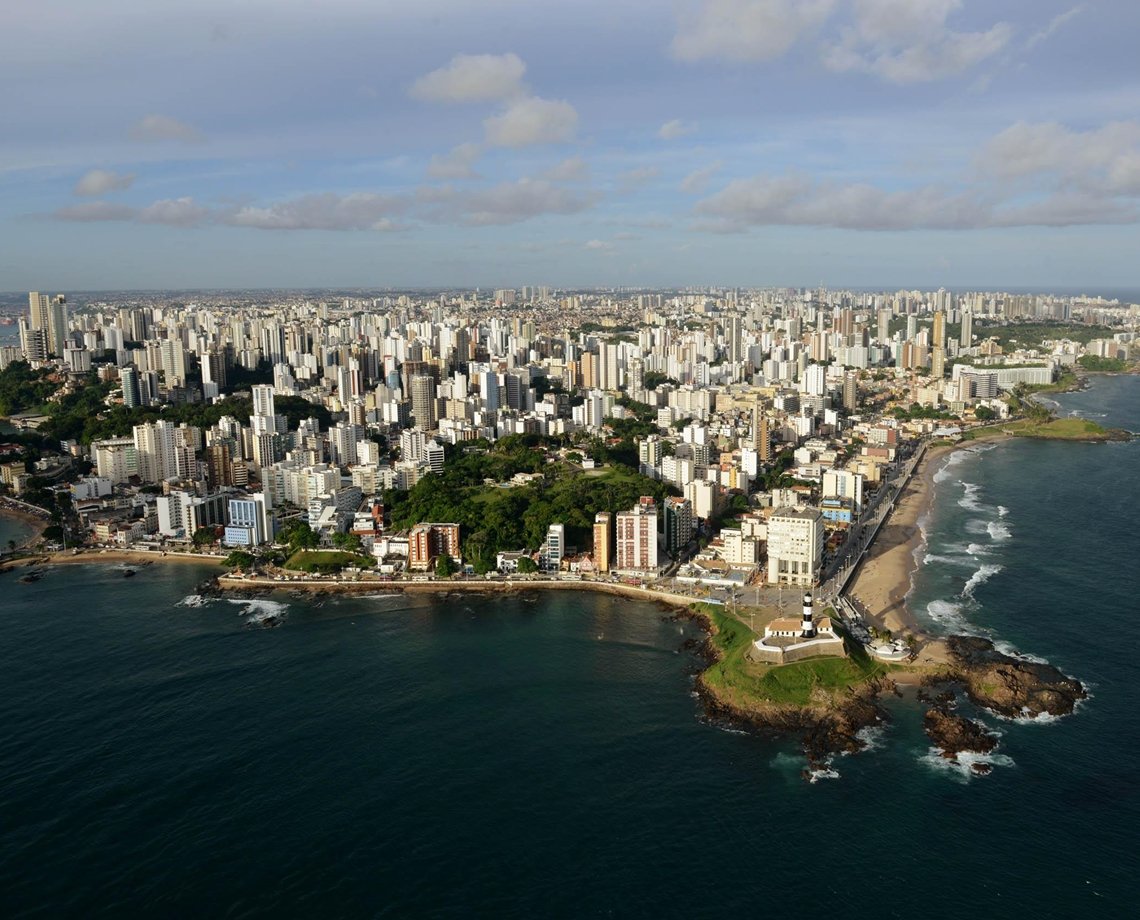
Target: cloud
x=674, y=129
x=530, y=121
x=697, y=181
x=599, y=245
x=513, y=202
x=156, y=128
x=908, y=41
x=747, y=30
x=324, y=211
x=456, y=164
x=96, y=211
x=572, y=169
x=797, y=200
x=472, y=78
x=1105, y=159
x=174, y=212
x=1054, y=24
x=102, y=181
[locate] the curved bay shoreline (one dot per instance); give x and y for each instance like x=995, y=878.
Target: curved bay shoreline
x=831, y=722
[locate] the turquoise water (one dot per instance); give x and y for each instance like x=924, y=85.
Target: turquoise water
x=544, y=756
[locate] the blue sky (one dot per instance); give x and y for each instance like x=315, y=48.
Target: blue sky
x=441, y=143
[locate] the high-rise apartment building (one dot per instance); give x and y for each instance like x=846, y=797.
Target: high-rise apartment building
x=637, y=536
x=678, y=524
x=603, y=541
x=423, y=401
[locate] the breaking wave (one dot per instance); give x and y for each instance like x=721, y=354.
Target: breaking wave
x=259, y=611
x=980, y=577
x=969, y=501
x=962, y=766
x=949, y=615
x=998, y=531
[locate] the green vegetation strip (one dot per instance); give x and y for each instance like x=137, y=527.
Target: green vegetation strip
x=324, y=561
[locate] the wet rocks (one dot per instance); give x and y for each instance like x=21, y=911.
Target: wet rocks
x=1012, y=687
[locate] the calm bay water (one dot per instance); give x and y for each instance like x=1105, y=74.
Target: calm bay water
x=544, y=756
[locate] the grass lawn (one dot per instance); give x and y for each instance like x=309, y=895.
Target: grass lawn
x=741, y=681
x=1061, y=428
x=312, y=560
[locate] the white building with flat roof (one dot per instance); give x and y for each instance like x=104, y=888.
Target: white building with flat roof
x=795, y=546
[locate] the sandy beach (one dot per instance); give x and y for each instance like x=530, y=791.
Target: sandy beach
x=111, y=556
x=883, y=581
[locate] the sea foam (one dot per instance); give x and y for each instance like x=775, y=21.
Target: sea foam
x=949, y=615
x=980, y=577
x=259, y=610
x=998, y=531
x=962, y=766
x=969, y=501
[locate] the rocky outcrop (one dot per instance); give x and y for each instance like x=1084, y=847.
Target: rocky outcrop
x=953, y=735
x=1012, y=687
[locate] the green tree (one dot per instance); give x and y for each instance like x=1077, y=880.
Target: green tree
x=204, y=536
x=238, y=559
x=527, y=566
x=445, y=566
x=984, y=414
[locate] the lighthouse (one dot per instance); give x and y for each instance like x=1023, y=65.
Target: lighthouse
x=808, y=623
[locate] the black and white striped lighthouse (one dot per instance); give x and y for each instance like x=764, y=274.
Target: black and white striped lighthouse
x=808, y=626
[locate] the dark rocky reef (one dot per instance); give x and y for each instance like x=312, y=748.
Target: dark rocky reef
x=953, y=734
x=1012, y=687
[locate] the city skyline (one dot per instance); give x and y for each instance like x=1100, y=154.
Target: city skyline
x=745, y=142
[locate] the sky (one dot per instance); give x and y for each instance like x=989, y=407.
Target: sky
x=370, y=143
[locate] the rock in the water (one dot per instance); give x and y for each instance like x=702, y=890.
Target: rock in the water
x=1011, y=686
x=954, y=734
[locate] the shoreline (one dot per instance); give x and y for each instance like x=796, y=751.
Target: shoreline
x=137, y=557
x=37, y=523
x=885, y=577
x=321, y=586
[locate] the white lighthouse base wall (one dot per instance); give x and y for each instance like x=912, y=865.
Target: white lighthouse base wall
x=824, y=646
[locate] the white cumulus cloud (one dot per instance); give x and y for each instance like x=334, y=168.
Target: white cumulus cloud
x=909, y=41
x=174, y=212
x=472, y=78
x=458, y=163
x=747, y=30
x=530, y=121
x=512, y=202
x=102, y=181
x=674, y=129
x=572, y=169
x=324, y=211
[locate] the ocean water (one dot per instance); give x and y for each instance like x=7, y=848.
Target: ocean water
x=543, y=755
x=13, y=529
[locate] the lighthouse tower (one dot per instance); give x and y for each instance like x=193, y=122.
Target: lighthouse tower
x=808, y=631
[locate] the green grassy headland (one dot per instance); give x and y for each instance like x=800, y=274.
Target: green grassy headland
x=743, y=683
